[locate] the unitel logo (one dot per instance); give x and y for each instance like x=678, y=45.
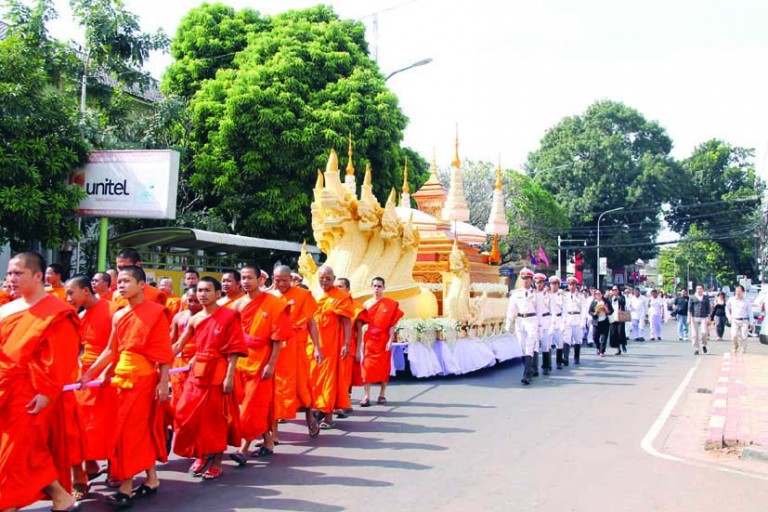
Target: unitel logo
x=102, y=188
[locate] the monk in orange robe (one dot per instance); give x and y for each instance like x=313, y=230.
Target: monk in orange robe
x=231, y=291
x=54, y=275
x=39, y=344
x=266, y=325
x=381, y=315
x=172, y=301
x=140, y=337
x=5, y=297
x=130, y=257
x=101, y=282
x=292, y=389
x=183, y=351
x=95, y=406
x=207, y=418
x=351, y=374
x=335, y=309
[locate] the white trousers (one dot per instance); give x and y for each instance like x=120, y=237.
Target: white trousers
x=699, y=332
x=527, y=334
x=739, y=335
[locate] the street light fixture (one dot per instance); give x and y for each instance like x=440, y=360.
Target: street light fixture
x=422, y=62
x=597, y=269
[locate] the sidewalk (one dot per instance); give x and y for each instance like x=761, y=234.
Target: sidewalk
x=739, y=414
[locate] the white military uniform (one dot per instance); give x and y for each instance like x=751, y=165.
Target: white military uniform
x=573, y=318
x=522, y=319
x=544, y=316
x=556, y=309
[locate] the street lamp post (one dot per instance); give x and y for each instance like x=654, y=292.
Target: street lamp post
x=422, y=62
x=597, y=269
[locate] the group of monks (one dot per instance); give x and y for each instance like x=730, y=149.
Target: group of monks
x=110, y=368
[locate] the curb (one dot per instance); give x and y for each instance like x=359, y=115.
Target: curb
x=716, y=426
x=729, y=424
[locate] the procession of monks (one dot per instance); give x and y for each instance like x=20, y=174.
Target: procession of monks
x=105, y=375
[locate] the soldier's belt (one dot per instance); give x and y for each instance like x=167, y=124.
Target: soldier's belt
x=526, y=315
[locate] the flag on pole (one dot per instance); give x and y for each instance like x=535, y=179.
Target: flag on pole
x=533, y=258
x=543, y=256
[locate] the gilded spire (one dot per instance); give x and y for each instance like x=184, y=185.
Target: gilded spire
x=498, y=175
x=320, y=181
x=392, y=197
x=456, y=162
x=433, y=169
x=350, y=165
x=368, y=181
x=406, y=187
x=333, y=162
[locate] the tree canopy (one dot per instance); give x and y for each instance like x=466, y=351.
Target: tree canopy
x=609, y=157
x=297, y=84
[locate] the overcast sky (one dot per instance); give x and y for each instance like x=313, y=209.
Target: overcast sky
x=506, y=71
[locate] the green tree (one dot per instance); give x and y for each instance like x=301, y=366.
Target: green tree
x=263, y=126
x=699, y=261
x=609, y=157
x=40, y=142
x=533, y=215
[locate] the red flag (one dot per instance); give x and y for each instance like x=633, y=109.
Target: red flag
x=543, y=256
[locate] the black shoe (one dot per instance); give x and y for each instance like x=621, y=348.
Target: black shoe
x=526, y=381
x=695, y=352
x=704, y=348
x=624, y=349
x=618, y=353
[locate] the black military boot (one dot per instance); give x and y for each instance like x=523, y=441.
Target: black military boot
x=547, y=362
x=566, y=353
x=527, y=362
x=576, y=354
x=535, y=368
x=559, y=359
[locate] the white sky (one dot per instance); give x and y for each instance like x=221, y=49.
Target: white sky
x=506, y=71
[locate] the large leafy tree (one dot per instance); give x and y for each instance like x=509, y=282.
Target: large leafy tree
x=264, y=124
x=609, y=157
x=697, y=260
x=40, y=142
x=533, y=215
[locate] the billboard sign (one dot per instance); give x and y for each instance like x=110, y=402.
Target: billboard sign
x=129, y=184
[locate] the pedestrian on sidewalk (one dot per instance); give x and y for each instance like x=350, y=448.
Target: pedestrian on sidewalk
x=600, y=310
x=739, y=313
x=698, y=319
x=656, y=308
x=638, y=307
x=618, y=336
x=681, y=313
x=718, y=315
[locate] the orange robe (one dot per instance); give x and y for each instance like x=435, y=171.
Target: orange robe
x=173, y=303
x=231, y=302
x=5, y=297
x=265, y=319
x=139, y=437
x=108, y=296
x=38, y=354
x=355, y=367
x=326, y=392
x=180, y=361
x=96, y=406
x=60, y=292
x=207, y=419
x=292, y=388
x=377, y=360
x=151, y=294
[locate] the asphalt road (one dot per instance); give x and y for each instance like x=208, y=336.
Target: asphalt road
x=569, y=442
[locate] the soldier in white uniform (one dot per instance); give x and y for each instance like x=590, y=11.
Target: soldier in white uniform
x=522, y=321
x=556, y=310
x=544, y=316
x=572, y=331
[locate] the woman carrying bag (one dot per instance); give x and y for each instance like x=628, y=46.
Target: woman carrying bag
x=618, y=334
x=600, y=310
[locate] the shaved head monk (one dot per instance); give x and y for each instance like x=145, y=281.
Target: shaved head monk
x=207, y=418
x=129, y=257
x=95, y=405
x=101, y=282
x=172, y=301
x=231, y=291
x=292, y=389
x=140, y=340
x=182, y=350
x=39, y=345
x=333, y=319
x=54, y=277
x=113, y=276
x=350, y=369
x=266, y=326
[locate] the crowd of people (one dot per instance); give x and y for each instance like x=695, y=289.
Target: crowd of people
x=543, y=317
x=108, y=368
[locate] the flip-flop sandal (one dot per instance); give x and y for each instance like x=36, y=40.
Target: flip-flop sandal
x=119, y=500
x=143, y=491
x=113, y=483
x=199, y=466
x=365, y=403
x=381, y=401
x=97, y=474
x=313, y=429
x=341, y=414
x=239, y=458
x=262, y=451
x=212, y=474
x=80, y=491
x=326, y=425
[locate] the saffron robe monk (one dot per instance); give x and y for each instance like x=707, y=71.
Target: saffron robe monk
x=95, y=406
x=39, y=345
x=350, y=374
x=101, y=282
x=335, y=309
x=182, y=350
x=266, y=325
x=381, y=315
x=292, y=389
x=54, y=276
x=140, y=338
x=231, y=291
x=207, y=417
x=172, y=301
x=5, y=297
x=130, y=257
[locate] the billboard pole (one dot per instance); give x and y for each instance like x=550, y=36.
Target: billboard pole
x=103, y=236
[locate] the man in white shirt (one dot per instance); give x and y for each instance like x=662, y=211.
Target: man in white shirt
x=655, y=312
x=572, y=330
x=738, y=310
x=638, y=308
x=522, y=321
